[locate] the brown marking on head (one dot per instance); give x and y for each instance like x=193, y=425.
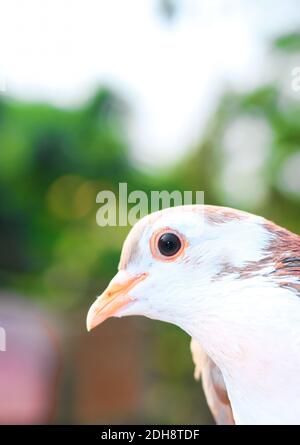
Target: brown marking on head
x=285, y=249
x=282, y=259
x=221, y=215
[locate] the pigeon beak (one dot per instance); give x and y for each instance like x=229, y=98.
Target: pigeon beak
x=113, y=298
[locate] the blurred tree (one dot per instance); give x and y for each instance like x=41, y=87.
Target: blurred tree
x=52, y=164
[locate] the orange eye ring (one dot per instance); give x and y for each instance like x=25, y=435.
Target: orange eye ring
x=154, y=245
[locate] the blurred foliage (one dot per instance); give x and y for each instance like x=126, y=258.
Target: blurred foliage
x=289, y=42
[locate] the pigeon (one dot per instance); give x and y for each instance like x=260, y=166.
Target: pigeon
x=231, y=280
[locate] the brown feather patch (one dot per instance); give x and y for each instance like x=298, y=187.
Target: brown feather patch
x=221, y=215
x=281, y=261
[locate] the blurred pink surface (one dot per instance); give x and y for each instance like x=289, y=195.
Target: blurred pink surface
x=29, y=366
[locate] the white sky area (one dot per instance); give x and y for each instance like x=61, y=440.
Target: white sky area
x=171, y=72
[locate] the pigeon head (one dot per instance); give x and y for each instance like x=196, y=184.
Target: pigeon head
x=178, y=265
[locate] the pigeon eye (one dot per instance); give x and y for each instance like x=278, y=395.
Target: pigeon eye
x=169, y=244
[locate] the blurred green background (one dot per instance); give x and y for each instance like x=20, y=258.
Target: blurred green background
x=54, y=259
